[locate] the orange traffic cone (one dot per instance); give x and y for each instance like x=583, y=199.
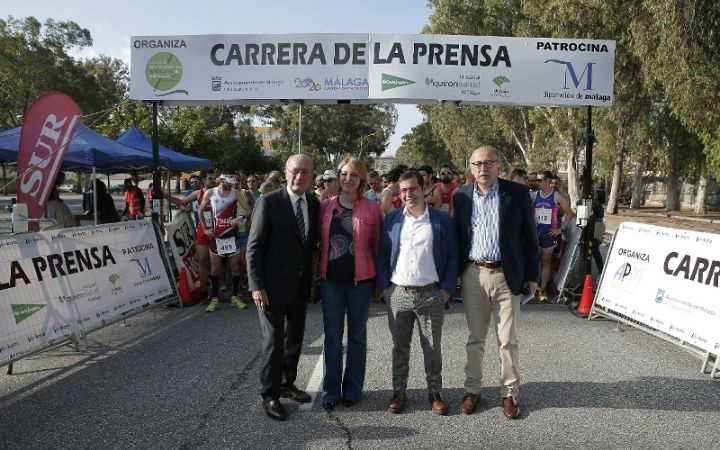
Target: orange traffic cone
x=184, y=288
x=586, y=301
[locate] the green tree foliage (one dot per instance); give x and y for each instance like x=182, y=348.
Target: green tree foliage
x=331, y=131
x=34, y=59
x=422, y=146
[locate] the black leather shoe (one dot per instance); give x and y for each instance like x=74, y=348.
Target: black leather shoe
x=348, y=402
x=274, y=409
x=293, y=393
x=329, y=405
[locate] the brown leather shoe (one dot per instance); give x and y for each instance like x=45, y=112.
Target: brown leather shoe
x=439, y=406
x=397, y=402
x=469, y=403
x=511, y=410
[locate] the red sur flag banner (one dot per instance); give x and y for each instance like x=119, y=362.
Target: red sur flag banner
x=48, y=126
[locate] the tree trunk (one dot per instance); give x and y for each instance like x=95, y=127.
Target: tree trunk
x=672, y=181
x=701, y=194
x=636, y=199
x=612, y=205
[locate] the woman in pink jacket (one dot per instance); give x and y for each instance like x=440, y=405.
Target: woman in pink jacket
x=350, y=229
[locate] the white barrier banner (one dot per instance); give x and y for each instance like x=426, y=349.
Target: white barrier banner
x=55, y=283
x=666, y=279
x=405, y=68
x=182, y=236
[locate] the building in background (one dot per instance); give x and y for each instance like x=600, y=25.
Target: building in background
x=383, y=164
x=266, y=136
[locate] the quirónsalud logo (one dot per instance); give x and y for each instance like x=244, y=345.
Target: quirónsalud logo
x=392, y=82
x=23, y=311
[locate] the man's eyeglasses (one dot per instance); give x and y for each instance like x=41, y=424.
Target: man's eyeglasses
x=487, y=163
x=446, y=173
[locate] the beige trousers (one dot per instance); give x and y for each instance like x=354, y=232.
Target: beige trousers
x=485, y=293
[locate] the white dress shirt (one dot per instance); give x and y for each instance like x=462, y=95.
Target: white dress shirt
x=415, y=264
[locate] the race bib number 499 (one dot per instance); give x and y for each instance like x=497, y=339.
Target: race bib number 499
x=225, y=246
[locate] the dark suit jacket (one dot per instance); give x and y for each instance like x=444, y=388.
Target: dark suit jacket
x=518, y=237
x=278, y=261
x=445, y=248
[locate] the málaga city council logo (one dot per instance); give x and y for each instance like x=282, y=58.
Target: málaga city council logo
x=164, y=71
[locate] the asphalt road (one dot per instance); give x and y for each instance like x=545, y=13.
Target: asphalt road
x=183, y=378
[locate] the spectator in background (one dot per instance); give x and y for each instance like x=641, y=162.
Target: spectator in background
x=56, y=209
x=446, y=187
x=547, y=206
x=107, y=213
x=319, y=186
x=134, y=201
x=384, y=180
x=273, y=182
x=375, y=187
x=331, y=187
x=390, y=195
x=519, y=176
x=253, y=183
x=431, y=192
x=350, y=227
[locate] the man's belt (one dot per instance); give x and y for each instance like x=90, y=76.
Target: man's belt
x=488, y=264
x=419, y=288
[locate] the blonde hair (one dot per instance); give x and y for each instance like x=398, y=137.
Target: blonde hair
x=358, y=166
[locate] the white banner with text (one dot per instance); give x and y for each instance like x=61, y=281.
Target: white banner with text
x=56, y=283
x=402, y=68
x=667, y=280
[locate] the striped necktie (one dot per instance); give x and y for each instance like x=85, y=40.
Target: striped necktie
x=299, y=218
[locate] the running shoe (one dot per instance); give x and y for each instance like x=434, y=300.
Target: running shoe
x=542, y=296
x=236, y=300
x=213, y=304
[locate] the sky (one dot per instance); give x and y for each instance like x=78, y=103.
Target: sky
x=112, y=22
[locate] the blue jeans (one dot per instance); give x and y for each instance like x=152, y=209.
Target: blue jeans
x=337, y=298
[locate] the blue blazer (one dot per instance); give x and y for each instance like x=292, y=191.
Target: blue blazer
x=445, y=248
x=519, y=247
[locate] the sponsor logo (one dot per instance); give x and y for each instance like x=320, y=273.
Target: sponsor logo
x=24, y=311
x=164, y=72
x=501, y=91
x=145, y=269
x=307, y=83
x=113, y=278
x=660, y=296
x=216, y=83
x=388, y=82
x=583, y=82
x=500, y=80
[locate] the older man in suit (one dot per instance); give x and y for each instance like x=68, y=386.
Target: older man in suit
x=279, y=250
x=500, y=260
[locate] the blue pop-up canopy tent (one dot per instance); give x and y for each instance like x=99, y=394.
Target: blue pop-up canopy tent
x=176, y=162
x=88, y=149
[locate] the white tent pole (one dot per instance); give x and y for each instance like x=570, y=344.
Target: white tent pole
x=300, y=129
x=94, y=186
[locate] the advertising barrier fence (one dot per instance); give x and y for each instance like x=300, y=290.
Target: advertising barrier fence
x=61, y=283
x=665, y=281
x=181, y=235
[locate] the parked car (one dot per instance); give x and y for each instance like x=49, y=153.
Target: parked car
x=66, y=188
x=116, y=188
